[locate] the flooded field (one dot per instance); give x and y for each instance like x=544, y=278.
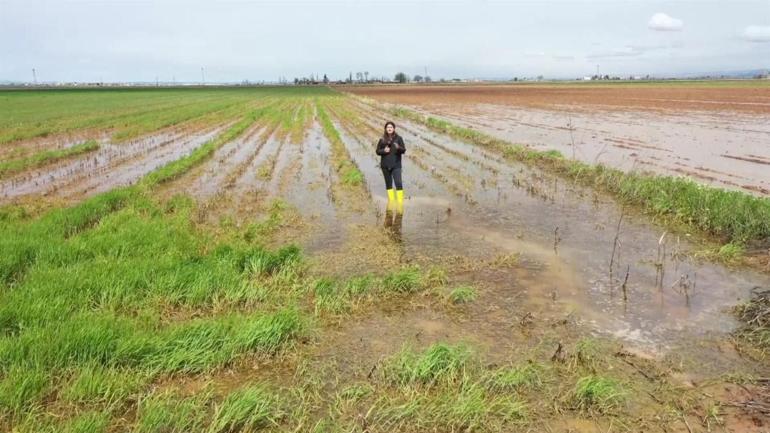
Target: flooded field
x=716, y=136
x=501, y=297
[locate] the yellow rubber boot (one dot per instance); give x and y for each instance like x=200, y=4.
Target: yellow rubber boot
x=391, y=197
x=400, y=200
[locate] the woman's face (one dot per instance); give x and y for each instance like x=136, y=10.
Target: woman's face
x=390, y=129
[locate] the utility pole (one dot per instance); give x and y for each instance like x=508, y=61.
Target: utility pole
x=203, y=77
x=34, y=76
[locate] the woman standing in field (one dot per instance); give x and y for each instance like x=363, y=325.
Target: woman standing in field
x=390, y=148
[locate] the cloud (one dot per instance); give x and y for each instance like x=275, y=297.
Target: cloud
x=757, y=33
x=665, y=23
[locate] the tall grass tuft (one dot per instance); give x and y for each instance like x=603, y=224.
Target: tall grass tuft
x=248, y=409
x=406, y=280
x=597, y=393
x=165, y=412
x=440, y=363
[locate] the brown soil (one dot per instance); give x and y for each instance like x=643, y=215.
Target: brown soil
x=633, y=97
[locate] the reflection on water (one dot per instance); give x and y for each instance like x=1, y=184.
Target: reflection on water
x=393, y=221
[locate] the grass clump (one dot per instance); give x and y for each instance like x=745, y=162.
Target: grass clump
x=440, y=363
x=462, y=295
x=527, y=376
x=95, y=384
x=337, y=297
x=472, y=408
x=351, y=175
x=22, y=388
x=406, y=280
x=731, y=251
x=88, y=422
x=261, y=262
x=597, y=393
x=164, y=412
x=247, y=409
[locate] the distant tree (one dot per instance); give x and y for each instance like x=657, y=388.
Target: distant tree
x=418, y=78
x=540, y=77
x=401, y=78
x=366, y=76
x=326, y=79
x=296, y=81
x=428, y=79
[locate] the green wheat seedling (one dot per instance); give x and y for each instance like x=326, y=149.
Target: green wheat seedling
x=440, y=363
x=462, y=295
x=597, y=393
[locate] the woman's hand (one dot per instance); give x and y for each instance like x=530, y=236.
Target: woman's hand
x=387, y=149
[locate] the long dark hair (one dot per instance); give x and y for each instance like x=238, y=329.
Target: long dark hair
x=385, y=135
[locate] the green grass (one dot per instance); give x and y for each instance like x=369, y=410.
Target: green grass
x=247, y=409
x=597, y=393
x=89, y=422
x=462, y=295
x=166, y=412
x=86, y=287
x=736, y=217
x=440, y=363
x=406, y=280
x=128, y=113
x=516, y=378
x=99, y=385
x=45, y=157
x=23, y=388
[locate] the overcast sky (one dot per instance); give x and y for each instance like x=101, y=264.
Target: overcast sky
x=132, y=40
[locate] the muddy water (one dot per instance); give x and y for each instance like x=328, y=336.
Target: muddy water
x=565, y=236
x=257, y=173
x=310, y=191
x=30, y=147
x=213, y=175
x=111, y=166
x=729, y=150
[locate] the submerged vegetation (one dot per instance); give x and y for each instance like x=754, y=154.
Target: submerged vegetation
x=39, y=159
x=755, y=317
x=733, y=216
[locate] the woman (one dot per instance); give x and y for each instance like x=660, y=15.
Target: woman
x=390, y=148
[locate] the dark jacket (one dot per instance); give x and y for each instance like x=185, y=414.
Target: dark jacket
x=392, y=159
